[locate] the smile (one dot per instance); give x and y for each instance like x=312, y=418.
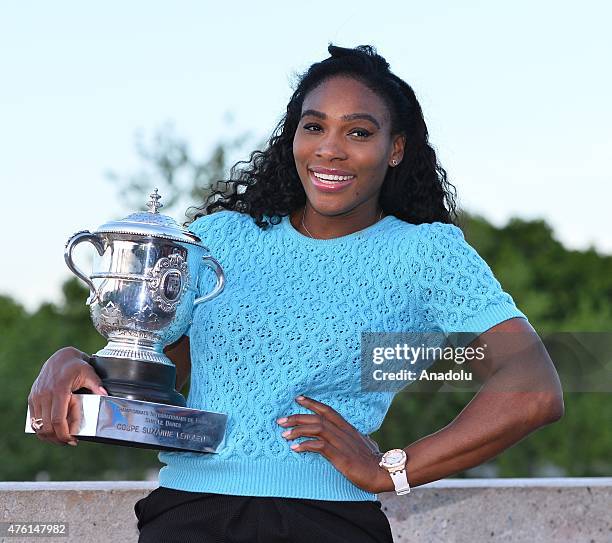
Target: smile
x=330, y=183
x=326, y=177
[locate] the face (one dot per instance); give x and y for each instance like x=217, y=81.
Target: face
x=343, y=147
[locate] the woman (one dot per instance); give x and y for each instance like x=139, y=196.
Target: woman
x=342, y=225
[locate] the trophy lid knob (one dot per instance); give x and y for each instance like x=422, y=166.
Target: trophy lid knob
x=154, y=204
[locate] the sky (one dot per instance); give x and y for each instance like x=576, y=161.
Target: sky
x=516, y=97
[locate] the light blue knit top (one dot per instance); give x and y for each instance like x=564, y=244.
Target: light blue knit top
x=289, y=322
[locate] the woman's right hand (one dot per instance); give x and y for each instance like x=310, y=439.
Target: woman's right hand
x=51, y=396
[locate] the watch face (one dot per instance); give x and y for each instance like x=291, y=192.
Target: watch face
x=393, y=457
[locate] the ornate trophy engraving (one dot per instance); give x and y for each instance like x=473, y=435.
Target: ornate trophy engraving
x=142, y=293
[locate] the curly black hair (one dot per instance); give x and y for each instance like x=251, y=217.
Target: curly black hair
x=268, y=187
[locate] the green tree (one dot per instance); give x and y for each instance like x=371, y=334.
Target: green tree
x=170, y=165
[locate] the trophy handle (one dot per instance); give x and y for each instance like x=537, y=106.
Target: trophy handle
x=214, y=264
x=96, y=241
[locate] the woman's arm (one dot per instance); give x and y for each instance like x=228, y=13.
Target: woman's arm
x=521, y=393
x=178, y=352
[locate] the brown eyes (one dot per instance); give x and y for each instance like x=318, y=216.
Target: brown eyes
x=360, y=133
x=364, y=133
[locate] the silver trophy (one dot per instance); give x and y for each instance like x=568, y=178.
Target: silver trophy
x=143, y=290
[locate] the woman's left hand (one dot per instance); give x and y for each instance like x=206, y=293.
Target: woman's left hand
x=355, y=455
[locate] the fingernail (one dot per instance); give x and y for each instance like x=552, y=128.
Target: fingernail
x=286, y=433
x=295, y=446
x=72, y=443
x=282, y=420
x=300, y=398
x=102, y=390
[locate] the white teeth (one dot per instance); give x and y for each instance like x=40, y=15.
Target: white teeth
x=325, y=177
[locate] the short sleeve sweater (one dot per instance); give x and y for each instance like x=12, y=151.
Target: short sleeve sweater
x=289, y=322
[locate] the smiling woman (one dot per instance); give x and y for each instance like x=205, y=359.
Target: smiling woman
x=343, y=147
x=348, y=112
x=342, y=225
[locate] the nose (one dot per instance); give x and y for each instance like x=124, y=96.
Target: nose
x=331, y=147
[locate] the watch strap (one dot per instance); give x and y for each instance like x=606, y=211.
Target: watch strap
x=400, y=481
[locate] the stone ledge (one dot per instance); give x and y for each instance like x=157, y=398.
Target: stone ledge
x=572, y=510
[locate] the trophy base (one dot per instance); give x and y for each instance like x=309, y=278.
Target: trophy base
x=148, y=425
x=137, y=380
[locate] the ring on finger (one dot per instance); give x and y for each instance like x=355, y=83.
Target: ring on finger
x=36, y=424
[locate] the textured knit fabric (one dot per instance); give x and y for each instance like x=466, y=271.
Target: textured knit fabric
x=168, y=515
x=289, y=322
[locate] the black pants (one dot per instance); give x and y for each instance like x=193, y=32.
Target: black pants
x=168, y=515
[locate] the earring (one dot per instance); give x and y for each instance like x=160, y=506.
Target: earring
x=394, y=162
